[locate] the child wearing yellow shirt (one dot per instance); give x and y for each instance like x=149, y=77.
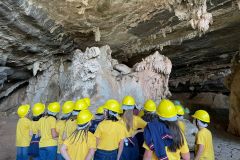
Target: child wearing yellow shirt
x=110, y=133
x=134, y=124
x=71, y=123
x=47, y=129
x=82, y=143
x=37, y=112
x=204, y=145
x=99, y=117
x=23, y=133
x=163, y=137
x=67, y=109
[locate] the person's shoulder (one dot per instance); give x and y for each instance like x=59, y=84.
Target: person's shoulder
x=207, y=131
x=203, y=132
x=26, y=120
x=90, y=134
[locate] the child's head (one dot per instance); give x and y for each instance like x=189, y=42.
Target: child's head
x=128, y=104
x=84, y=119
x=67, y=109
x=113, y=109
x=202, y=118
x=149, y=112
x=180, y=111
x=23, y=110
x=38, y=110
x=100, y=112
x=53, y=109
x=80, y=105
x=83, y=123
x=168, y=114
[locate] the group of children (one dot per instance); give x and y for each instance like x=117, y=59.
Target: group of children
x=116, y=132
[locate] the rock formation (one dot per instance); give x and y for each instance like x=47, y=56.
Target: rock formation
x=233, y=83
x=95, y=74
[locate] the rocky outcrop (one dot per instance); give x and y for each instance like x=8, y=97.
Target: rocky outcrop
x=204, y=99
x=95, y=74
x=232, y=82
x=190, y=132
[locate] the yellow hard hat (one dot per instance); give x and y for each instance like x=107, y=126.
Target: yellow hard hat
x=113, y=105
x=100, y=110
x=150, y=106
x=141, y=113
x=128, y=101
x=23, y=110
x=84, y=117
x=180, y=110
x=202, y=116
x=80, y=105
x=166, y=109
x=67, y=107
x=38, y=109
x=88, y=101
x=54, y=107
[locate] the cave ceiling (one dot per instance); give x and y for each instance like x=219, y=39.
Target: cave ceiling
x=33, y=31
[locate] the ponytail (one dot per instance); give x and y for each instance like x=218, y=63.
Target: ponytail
x=128, y=118
x=78, y=133
x=178, y=139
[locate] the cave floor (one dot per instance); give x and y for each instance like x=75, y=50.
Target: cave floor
x=226, y=146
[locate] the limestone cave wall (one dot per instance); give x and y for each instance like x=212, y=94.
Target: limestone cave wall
x=94, y=74
x=233, y=83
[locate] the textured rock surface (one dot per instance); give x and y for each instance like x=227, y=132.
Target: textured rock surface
x=91, y=73
x=190, y=133
x=233, y=83
x=203, y=99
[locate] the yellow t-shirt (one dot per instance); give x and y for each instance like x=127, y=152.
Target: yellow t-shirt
x=22, y=132
x=78, y=147
x=172, y=155
x=204, y=137
x=181, y=125
x=45, y=125
x=60, y=127
x=138, y=122
x=110, y=133
x=71, y=126
x=34, y=127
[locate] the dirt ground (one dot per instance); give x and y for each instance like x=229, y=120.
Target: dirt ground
x=226, y=146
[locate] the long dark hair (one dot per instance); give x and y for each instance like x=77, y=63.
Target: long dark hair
x=128, y=118
x=78, y=133
x=149, y=116
x=178, y=139
x=111, y=117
